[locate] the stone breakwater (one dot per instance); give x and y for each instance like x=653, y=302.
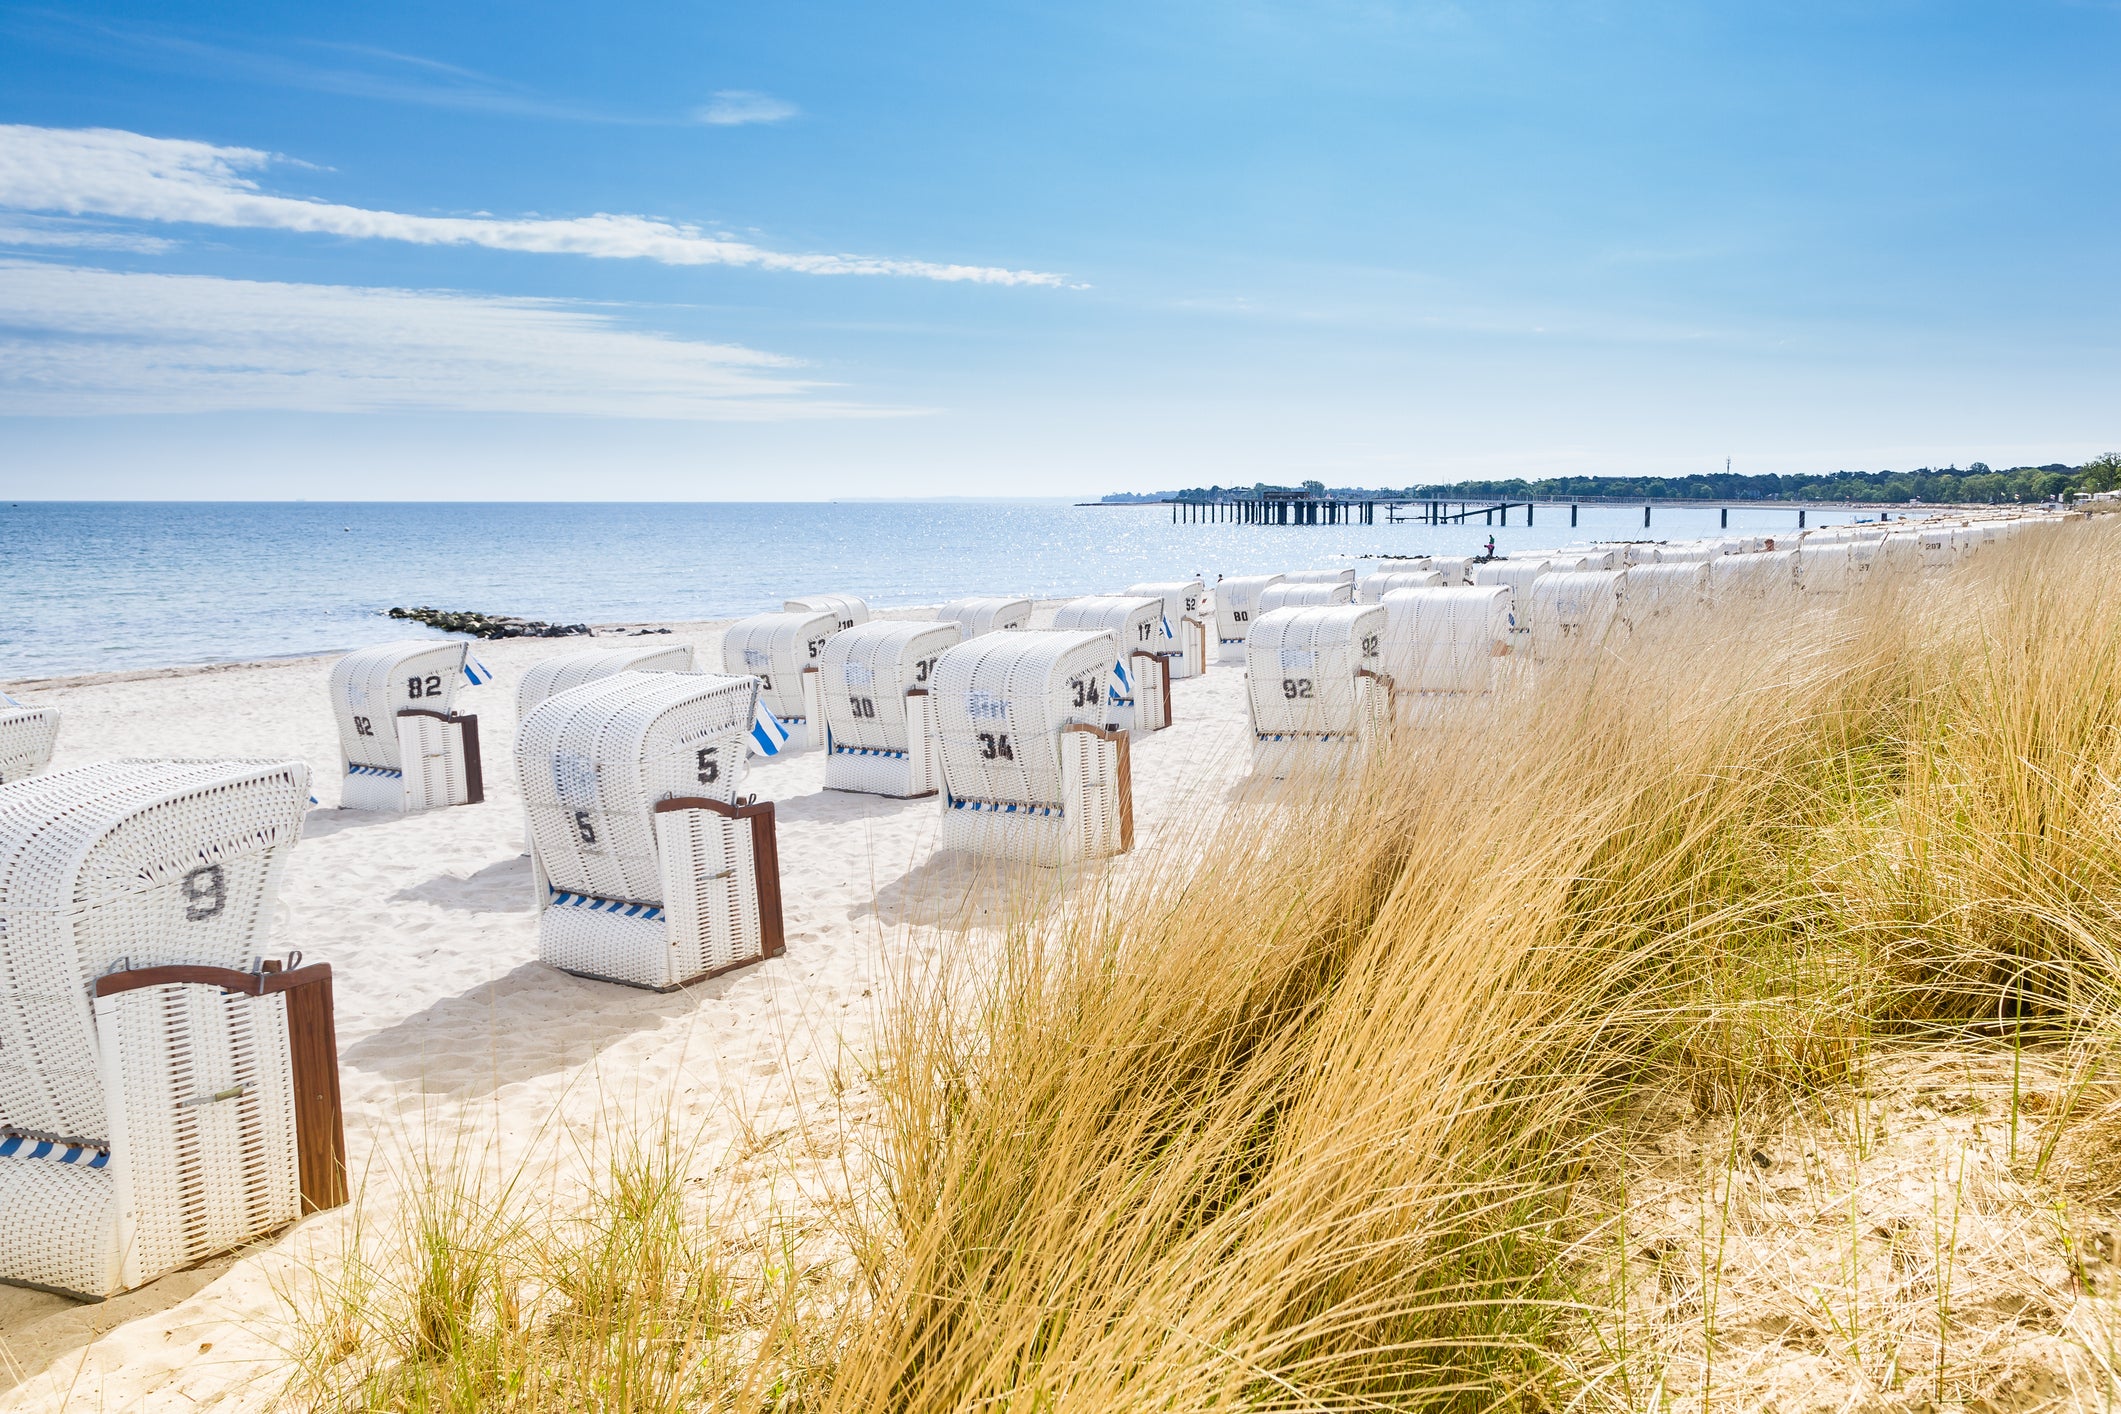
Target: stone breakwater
x=488, y=625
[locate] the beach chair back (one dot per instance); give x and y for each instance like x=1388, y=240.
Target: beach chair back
x=1572, y=613
x=1826, y=568
x=27, y=736
x=1373, y=588
x=1298, y=594
x=1002, y=702
x=555, y=675
x=1236, y=603
x=846, y=610
x=866, y=673
x=1518, y=575
x=1754, y=574
x=778, y=649
x=1667, y=591
x=1135, y=696
x=1446, y=640
x=1303, y=666
x=987, y=614
x=1185, y=623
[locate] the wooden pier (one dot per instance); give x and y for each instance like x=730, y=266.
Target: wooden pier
x=1312, y=508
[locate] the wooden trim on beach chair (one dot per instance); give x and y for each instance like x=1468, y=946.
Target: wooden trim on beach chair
x=474, y=769
x=765, y=861
x=313, y=1051
x=1126, y=776
x=1163, y=662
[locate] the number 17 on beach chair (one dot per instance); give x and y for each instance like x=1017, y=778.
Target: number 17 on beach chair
x=403, y=745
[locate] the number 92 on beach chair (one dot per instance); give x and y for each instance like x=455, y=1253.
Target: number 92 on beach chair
x=1315, y=686
x=782, y=651
x=1029, y=771
x=166, y=1092
x=27, y=735
x=401, y=742
x=648, y=870
x=879, y=712
x=1138, y=695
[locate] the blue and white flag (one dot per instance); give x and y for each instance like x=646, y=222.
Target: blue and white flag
x=7, y=701
x=1122, y=689
x=1167, y=627
x=768, y=736
x=475, y=672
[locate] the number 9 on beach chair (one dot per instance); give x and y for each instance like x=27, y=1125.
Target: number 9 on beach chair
x=782, y=651
x=987, y=614
x=1138, y=697
x=1315, y=686
x=846, y=610
x=1236, y=605
x=648, y=870
x=402, y=745
x=879, y=713
x=166, y=1093
x=27, y=735
x=556, y=675
x=1028, y=771
x=1185, y=632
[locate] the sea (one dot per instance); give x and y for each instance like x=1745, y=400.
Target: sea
x=89, y=587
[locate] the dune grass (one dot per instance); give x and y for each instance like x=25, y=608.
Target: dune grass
x=1314, y=1108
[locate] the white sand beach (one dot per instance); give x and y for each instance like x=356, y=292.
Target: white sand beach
x=458, y=1046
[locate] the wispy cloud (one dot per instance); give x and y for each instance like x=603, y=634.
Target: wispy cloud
x=23, y=230
x=108, y=172
x=75, y=341
x=733, y=107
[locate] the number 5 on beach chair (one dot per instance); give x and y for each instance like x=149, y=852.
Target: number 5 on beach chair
x=1139, y=695
x=166, y=1092
x=402, y=744
x=649, y=870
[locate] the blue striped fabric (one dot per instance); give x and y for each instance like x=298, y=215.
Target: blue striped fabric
x=355, y=770
x=16, y=1146
x=838, y=750
x=562, y=899
x=1006, y=807
x=768, y=736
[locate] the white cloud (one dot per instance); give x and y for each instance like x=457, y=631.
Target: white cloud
x=49, y=231
x=108, y=172
x=732, y=107
x=78, y=341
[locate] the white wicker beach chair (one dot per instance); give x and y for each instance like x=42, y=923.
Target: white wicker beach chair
x=1653, y=594
x=1316, y=689
x=1029, y=771
x=401, y=741
x=648, y=869
x=27, y=735
x=1185, y=627
x=1754, y=574
x=846, y=610
x=987, y=614
x=782, y=651
x=1293, y=595
x=1138, y=697
x=1371, y=589
x=1236, y=602
x=1518, y=575
x=879, y=709
x=1346, y=577
x=1454, y=570
x=1446, y=640
x=1936, y=543
x=166, y=1093
x=1573, y=612
x=556, y=675
x=1828, y=567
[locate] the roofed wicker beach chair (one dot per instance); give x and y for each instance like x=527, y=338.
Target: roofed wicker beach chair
x=846, y=610
x=987, y=614
x=1236, y=602
x=1754, y=574
x=1346, y=577
x=166, y=1092
x=1302, y=594
x=1573, y=613
x=879, y=712
x=401, y=741
x=27, y=735
x=782, y=651
x=649, y=870
x=1446, y=640
x=1518, y=575
x=1827, y=566
x=555, y=675
x=1660, y=593
x=1029, y=770
x=1185, y=627
x=1138, y=693
x=1317, y=692
x=1372, y=588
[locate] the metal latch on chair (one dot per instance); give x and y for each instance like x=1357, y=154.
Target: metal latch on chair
x=233, y=1092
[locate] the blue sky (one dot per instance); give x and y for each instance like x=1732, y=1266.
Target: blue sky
x=813, y=250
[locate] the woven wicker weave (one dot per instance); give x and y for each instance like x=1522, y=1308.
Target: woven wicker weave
x=875, y=682
x=393, y=761
x=987, y=614
x=1298, y=594
x=1028, y=773
x=1315, y=686
x=1652, y=594
x=846, y=610
x=1132, y=699
x=166, y=1112
x=1346, y=577
x=779, y=650
x=1236, y=604
x=27, y=735
x=552, y=676
x=1573, y=612
x=1446, y=640
x=1185, y=623
x=1371, y=589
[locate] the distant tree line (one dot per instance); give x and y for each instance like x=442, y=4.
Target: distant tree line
x=1976, y=484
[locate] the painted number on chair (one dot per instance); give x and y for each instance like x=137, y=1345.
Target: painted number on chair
x=1083, y=692
x=585, y=827
x=862, y=706
x=1369, y=645
x=429, y=686
x=994, y=746
x=1144, y=632
x=363, y=727
x=205, y=893
x=710, y=770
x=1240, y=616
x=817, y=646
x=921, y=669
x=1293, y=688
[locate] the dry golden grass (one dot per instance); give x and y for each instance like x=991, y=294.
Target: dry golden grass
x=1329, y=1106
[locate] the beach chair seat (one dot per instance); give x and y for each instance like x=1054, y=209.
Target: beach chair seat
x=876, y=681
x=1573, y=613
x=1371, y=589
x=1030, y=772
x=782, y=651
x=551, y=676
x=648, y=869
x=1315, y=686
x=1185, y=628
x=987, y=614
x=1305, y=594
x=166, y=1091
x=402, y=744
x=1655, y=594
x=1138, y=690
x=1236, y=602
x=27, y=736
x=1446, y=640
x=846, y=610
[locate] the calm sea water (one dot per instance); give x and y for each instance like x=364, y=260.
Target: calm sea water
x=96, y=586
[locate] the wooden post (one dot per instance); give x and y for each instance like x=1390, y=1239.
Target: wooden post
x=1645, y=517
x=1800, y=520
x=1725, y=523
x=1528, y=515
x=1572, y=515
